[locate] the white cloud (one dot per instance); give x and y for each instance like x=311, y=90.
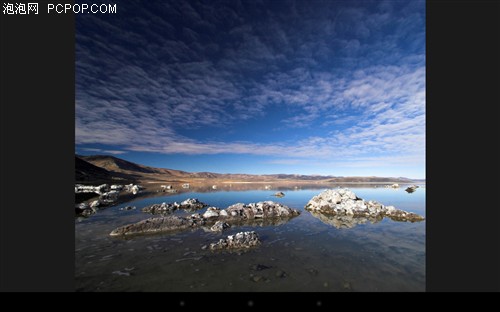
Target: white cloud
x=137, y=96
x=105, y=151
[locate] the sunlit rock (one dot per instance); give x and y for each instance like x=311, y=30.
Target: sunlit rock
x=133, y=188
x=344, y=202
x=261, y=213
x=109, y=197
x=279, y=194
x=190, y=204
x=219, y=226
x=116, y=187
x=212, y=212
x=100, y=189
x=84, y=210
x=411, y=188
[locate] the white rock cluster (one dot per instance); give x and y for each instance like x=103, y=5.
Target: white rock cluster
x=238, y=241
x=267, y=212
x=345, y=202
x=260, y=210
x=132, y=188
x=219, y=226
x=99, y=189
x=189, y=204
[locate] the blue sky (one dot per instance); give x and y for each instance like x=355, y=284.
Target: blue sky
x=305, y=87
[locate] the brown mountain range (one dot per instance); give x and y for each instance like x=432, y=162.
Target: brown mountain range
x=105, y=168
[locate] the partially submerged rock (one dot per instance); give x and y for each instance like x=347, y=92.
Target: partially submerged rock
x=168, y=189
x=104, y=188
x=128, y=208
x=267, y=212
x=159, y=208
x=343, y=202
x=219, y=226
x=411, y=188
x=116, y=187
x=135, y=189
x=164, y=224
x=87, y=209
x=84, y=210
x=100, y=189
x=109, y=197
x=212, y=212
x=190, y=204
x=105, y=199
x=279, y=194
x=260, y=210
x=132, y=188
x=240, y=240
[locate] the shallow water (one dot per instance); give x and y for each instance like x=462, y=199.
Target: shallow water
x=303, y=254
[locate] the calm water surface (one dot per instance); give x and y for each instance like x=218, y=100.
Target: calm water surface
x=303, y=254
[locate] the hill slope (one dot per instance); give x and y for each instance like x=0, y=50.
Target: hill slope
x=87, y=172
x=116, y=164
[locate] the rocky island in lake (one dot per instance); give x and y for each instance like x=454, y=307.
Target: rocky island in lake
x=266, y=212
x=343, y=209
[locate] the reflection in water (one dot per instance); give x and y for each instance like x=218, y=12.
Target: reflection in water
x=344, y=221
x=299, y=254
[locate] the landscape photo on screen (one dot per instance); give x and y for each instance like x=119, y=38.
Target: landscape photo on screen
x=257, y=146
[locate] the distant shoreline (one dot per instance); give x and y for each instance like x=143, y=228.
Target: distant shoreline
x=284, y=182
x=110, y=169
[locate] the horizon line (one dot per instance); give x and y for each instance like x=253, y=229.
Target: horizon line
x=262, y=174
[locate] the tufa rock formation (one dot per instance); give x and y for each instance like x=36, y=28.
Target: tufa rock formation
x=190, y=204
x=240, y=240
x=344, y=203
x=267, y=212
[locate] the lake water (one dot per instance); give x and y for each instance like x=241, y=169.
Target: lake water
x=303, y=254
